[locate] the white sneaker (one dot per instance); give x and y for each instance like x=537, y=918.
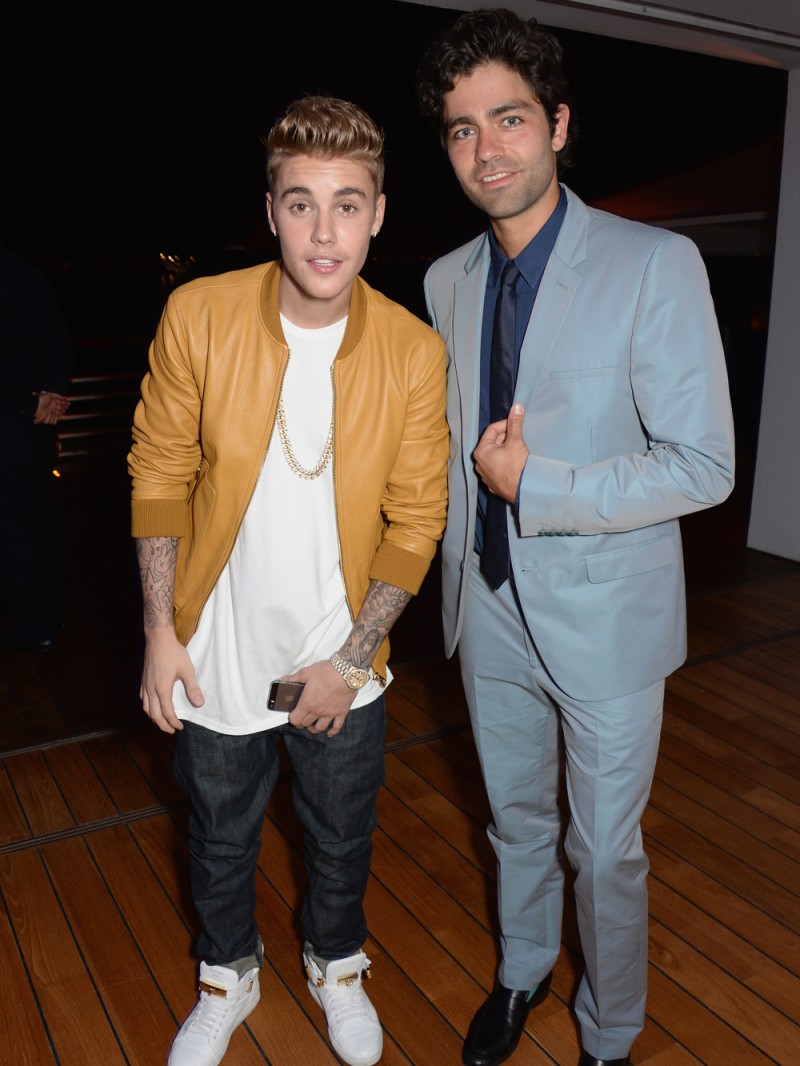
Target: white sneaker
x=353, y=1024
x=225, y=1001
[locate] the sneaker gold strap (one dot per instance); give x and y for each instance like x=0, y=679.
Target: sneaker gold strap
x=213, y=990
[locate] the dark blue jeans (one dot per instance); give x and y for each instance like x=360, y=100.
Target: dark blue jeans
x=335, y=783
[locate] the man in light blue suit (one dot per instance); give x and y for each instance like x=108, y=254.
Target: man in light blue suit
x=620, y=424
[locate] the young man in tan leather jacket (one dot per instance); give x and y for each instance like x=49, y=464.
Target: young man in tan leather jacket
x=289, y=472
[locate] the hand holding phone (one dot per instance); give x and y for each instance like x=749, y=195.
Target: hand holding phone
x=284, y=695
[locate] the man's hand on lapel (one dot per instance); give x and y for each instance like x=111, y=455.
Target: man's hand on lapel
x=501, y=455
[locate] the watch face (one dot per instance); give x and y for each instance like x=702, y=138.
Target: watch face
x=357, y=678
x=354, y=676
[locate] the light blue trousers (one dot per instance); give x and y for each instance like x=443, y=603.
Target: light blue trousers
x=609, y=754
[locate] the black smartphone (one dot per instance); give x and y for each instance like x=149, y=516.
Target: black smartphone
x=283, y=695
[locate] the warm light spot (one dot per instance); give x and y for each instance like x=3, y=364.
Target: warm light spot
x=56, y=473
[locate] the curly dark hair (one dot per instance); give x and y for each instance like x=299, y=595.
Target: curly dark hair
x=495, y=35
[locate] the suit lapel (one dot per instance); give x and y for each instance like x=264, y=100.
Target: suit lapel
x=556, y=292
x=467, y=325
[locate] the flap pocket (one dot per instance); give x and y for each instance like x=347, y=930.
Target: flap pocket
x=585, y=372
x=633, y=559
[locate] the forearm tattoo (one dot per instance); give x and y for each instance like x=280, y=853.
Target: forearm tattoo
x=382, y=606
x=157, y=558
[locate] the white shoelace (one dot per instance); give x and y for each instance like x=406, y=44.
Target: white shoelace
x=347, y=1004
x=211, y=1014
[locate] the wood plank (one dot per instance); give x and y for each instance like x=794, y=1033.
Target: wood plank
x=162, y=840
x=134, y=1003
x=776, y=664
x=83, y=792
x=731, y=1003
x=64, y=985
x=470, y=886
x=779, y=599
x=742, y=844
x=715, y=714
x=672, y=1055
x=151, y=752
x=743, y=917
x=138, y=894
x=38, y=793
x=458, y=749
x=745, y=787
x=691, y=1022
x=447, y=781
x=24, y=1037
x=35, y=712
x=413, y=719
x=740, y=681
x=13, y=823
x=680, y=721
x=751, y=884
x=436, y=688
x=461, y=934
x=773, y=603
x=120, y=775
x=727, y=950
x=467, y=835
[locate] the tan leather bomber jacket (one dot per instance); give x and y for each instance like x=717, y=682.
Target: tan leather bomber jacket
x=203, y=425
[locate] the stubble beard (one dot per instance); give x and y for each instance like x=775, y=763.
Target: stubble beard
x=516, y=201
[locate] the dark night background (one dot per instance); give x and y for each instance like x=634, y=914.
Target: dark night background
x=135, y=129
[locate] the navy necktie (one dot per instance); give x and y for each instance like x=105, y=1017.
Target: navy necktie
x=495, y=557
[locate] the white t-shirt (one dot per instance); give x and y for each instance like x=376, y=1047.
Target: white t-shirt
x=279, y=603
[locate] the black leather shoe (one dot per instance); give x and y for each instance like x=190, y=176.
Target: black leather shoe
x=498, y=1025
x=590, y=1060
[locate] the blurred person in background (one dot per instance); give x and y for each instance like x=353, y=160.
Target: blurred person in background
x=36, y=361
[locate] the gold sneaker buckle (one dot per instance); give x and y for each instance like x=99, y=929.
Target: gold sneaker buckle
x=351, y=978
x=213, y=990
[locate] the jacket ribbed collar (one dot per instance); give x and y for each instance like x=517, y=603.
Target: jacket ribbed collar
x=356, y=315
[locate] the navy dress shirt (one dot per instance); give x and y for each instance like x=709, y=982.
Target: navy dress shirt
x=531, y=261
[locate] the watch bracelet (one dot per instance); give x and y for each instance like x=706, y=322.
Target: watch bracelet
x=373, y=674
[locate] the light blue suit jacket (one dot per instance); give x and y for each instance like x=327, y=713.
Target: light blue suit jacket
x=628, y=422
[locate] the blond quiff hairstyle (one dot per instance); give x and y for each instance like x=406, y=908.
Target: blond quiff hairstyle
x=328, y=128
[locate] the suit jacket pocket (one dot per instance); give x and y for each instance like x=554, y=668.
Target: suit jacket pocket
x=631, y=560
x=585, y=372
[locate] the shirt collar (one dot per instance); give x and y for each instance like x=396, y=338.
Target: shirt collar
x=533, y=257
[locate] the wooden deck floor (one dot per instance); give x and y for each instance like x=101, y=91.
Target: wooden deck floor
x=96, y=921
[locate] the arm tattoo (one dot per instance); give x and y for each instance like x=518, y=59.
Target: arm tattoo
x=382, y=606
x=157, y=558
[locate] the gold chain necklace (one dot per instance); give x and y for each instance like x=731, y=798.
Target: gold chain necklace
x=286, y=446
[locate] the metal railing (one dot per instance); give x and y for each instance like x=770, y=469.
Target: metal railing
x=97, y=427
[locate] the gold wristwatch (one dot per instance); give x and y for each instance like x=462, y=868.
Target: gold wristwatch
x=354, y=676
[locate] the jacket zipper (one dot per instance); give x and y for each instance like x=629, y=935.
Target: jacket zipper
x=335, y=422
x=249, y=498
x=381, y=678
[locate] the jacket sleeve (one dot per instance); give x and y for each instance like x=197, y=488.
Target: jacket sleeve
x=679, y=387
x=165, y=454
x=415, y=500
